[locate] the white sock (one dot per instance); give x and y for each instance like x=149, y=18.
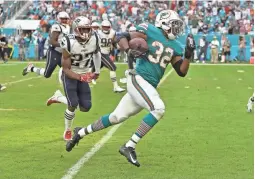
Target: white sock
x=42, y=70
x=62, y=99
x=113, y=78
x=39, y=71
x=133, y=141
x=69, y=116
x=88, y=130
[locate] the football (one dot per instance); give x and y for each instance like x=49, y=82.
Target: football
x=138, y=44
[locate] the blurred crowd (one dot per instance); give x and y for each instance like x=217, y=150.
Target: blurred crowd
x=201, y=17
x=231, y=17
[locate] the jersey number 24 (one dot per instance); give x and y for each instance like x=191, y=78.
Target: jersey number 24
x=158, y=58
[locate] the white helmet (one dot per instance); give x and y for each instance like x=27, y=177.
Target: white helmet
x=106, y=26
x=82, y=27
x=95, y=26
x=63, y=18
x=170, y=22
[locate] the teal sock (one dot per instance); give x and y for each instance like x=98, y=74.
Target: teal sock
x=101, y=123
x=147, y=123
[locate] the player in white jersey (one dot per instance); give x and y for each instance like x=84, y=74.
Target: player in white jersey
x=79, y=50
x=95, y=26
x=106, y=35
x=250, y=103
x=54, y=52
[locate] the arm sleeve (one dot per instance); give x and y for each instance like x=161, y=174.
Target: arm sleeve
x=97, y=61
x=55, y=28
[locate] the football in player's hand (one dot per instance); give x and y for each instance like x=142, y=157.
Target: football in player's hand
x=138, y=44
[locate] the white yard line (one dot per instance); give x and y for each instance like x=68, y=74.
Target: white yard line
x=85, y=158
x=26, y=79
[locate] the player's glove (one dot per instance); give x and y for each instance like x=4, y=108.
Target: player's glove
x=130, y=72
x=190, y=47
x=134, y=53
x=88, y=77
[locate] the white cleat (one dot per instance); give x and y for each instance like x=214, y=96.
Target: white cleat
x=67, y=135
x=249, y=107
x=118, y=90
x=27, y=69
x=123, y=80
x=2, y=88
x=94, y=82
x=54, y=99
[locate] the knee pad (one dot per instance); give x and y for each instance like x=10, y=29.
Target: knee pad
x=115, y=118
x=86, y=106
x=158, y=113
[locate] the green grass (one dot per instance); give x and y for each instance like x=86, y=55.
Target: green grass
x=205, y=133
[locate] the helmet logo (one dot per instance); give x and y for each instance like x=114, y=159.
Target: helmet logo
x=165, y=15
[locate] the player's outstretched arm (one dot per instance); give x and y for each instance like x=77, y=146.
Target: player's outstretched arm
x=180, y=65
x=66, y=65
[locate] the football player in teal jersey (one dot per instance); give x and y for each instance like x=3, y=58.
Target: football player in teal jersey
x=164, y=48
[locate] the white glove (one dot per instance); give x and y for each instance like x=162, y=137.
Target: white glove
x=130, y=71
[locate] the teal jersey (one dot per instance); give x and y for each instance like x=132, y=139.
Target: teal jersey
x=161, y=50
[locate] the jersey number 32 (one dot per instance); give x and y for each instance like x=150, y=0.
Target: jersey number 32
x=158, y=58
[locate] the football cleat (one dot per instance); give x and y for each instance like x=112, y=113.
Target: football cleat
x=2, y=87
x=27, y=69
x=118, y=90
x=249, y=107
x=67, y=135
x=94, y=82
x=75, y=139
x=129, y=153
x=54, y=99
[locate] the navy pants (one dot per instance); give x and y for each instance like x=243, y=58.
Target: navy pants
x=53, y=59
x=77, y=93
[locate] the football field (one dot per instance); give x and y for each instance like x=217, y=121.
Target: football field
x=206, y=132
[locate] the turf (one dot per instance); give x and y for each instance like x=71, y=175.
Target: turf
x=206, y=132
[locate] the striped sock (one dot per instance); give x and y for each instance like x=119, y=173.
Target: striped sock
x=98, y=125
x=69, y=116
x=147, y=123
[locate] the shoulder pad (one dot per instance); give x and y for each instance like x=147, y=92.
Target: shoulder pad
x=66, y=44
x=55, y=28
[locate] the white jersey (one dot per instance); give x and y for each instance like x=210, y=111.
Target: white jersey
x=106, y=41
x=81, y=54
x=64, y=30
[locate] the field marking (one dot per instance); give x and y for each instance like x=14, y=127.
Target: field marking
x=218, y=87
x=187, y=87
x=123, y=63
x=240, y=71
x=26, y=79
x=85, y=158
x=11, y=109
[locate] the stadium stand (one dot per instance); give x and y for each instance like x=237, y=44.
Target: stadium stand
x=214, y=18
